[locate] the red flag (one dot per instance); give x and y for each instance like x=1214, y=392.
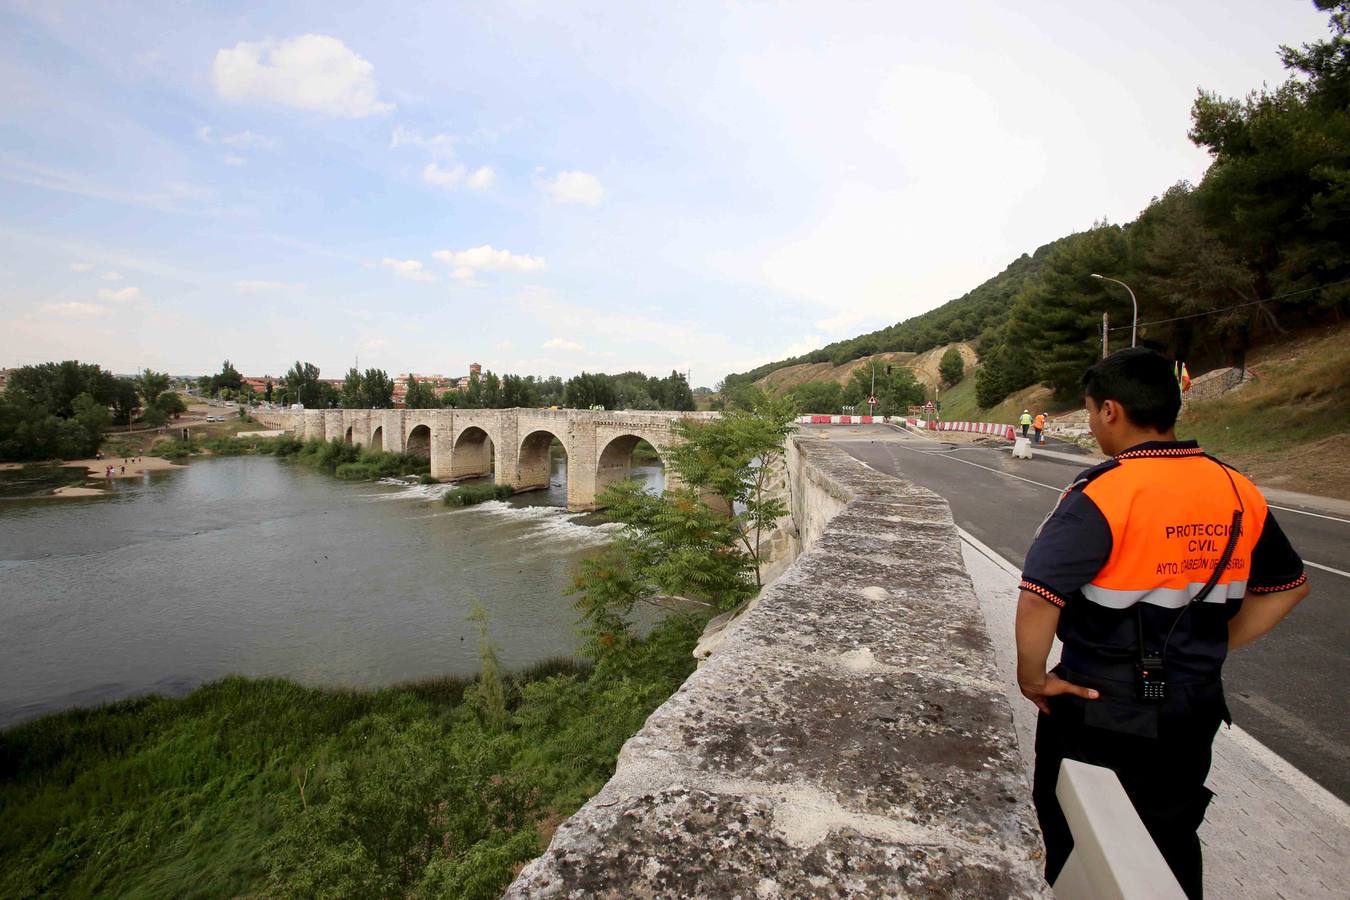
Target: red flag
x=1185, y=379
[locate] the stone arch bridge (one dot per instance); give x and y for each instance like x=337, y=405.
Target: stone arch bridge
x=512, y=443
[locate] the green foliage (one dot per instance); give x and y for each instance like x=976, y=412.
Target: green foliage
x=170, y=403
x=60, y=410
x=896, y=390
x=151, y=385
x=372, y=390
x=952, y=367
x=227, y=379
x=480, y=492
x=822, y=397
x=420, y=395
x=265, y=788
x=628, y=390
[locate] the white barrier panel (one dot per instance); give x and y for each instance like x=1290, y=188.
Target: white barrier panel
x=1113, y=856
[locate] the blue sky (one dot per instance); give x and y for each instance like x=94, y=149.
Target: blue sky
x=550, y=187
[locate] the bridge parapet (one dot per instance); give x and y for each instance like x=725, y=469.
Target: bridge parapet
x=850, y=737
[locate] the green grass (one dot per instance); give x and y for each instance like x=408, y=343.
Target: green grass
x=471, y=494
x=264, y=787
x=1297, y=400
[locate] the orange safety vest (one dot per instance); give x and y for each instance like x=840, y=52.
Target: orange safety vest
x=1040, y=423
x=1170, y=520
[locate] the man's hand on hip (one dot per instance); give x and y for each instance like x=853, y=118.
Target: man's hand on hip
x=1051, y=685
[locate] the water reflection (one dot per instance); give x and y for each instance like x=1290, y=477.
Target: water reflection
x=258, y=566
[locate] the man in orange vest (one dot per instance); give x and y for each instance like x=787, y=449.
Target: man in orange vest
x=1151, y=568
x=1039, y=425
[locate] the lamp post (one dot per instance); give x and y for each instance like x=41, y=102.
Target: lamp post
x=1134, y=328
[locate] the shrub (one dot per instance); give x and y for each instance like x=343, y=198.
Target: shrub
x=470, y=494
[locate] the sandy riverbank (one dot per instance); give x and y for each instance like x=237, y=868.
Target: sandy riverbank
x=122, y=467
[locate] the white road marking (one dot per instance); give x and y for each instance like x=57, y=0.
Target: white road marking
x=1304, y=512
x=1326, y=568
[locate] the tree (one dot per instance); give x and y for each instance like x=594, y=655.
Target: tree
x=303, y=386
x=676, y=543
x=154, y=417
x=378, y=389
x=818, y=397
x=170, y=403
x=896, y=391
x=952, y=367
x=125, y=401
x=733, y=456
x=227, y=379
x=151, y=385
x=419, y=395
x=352, y=392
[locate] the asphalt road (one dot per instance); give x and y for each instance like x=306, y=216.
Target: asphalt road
x=1289, y=689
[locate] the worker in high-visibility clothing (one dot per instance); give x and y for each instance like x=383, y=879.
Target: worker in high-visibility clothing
x=1025, y=421
x=1039, y=425
x=1151, y=568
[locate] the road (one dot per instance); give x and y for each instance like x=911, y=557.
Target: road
x=1288, y=689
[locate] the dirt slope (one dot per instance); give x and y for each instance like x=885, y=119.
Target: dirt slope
x=924, y=365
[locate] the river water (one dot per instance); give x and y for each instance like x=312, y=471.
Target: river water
x=258, y=566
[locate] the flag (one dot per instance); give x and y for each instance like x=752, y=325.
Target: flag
x=1185, y=379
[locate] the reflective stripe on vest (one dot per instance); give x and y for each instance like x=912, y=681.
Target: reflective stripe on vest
x=1170, y=512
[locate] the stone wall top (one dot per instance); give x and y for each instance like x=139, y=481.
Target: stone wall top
x=851, y=736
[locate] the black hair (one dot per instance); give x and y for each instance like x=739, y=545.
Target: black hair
x=1142, y=381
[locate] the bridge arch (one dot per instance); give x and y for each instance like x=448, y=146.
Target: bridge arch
x=471, y=453
x=377, y=438
x=534, y=459
x=347, y=438
x=418, y=441
x=614, y=462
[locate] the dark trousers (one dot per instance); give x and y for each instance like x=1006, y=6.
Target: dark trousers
x=1163, y=773
x=1024, y=430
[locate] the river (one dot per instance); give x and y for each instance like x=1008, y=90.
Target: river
x=262, y=567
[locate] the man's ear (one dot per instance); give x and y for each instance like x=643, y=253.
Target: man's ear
x=1109, y=412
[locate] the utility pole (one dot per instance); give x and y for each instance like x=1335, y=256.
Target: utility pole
x=1106, y=319
x=872, y=395
x=1134, y=329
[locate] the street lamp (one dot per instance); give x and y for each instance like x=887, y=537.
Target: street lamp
x=1134, y=328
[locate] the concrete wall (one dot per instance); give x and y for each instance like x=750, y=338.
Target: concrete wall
x=850, y=737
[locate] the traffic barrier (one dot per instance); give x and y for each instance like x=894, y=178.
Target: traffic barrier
x=1113, y=855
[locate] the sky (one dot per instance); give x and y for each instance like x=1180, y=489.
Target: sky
x=551, y=187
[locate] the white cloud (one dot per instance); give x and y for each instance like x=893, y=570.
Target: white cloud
x=574, y=187
x=842, y=322
x=503, y=345
x=247, y=140
x=232, y=160
x=560, y=344
x=805, y=345
x=121, y=295
x=81, y=266
x=442, y=145
x=454, y=177
x=111, y=276
x=410, y=269
x=313, y=71
x=76, y=309
x=261, y=286
x=466, y=263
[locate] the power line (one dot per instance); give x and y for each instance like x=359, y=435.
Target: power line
x=1237, y=305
